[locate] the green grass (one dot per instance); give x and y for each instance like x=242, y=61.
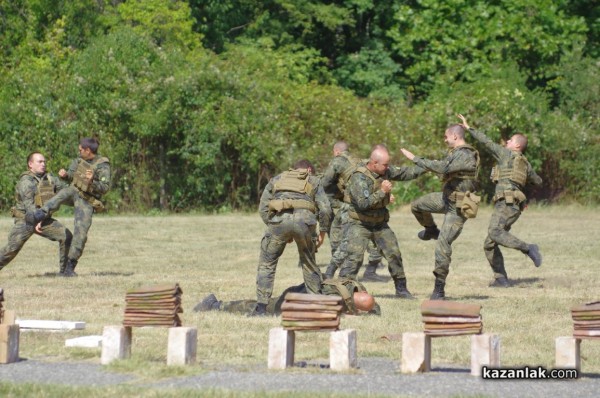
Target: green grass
x=218, y=254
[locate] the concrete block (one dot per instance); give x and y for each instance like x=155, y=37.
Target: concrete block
x=50, y=325
x=568, y=353
x=416, y=352
x=181, y=348
x=342, y=350
x=9, y=343
x=84, y=341
x=116, y=343
x=282, y=344
x=485, y=351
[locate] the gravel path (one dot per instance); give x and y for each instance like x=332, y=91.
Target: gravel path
x=374, y=375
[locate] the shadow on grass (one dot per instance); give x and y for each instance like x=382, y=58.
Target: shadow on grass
x=525, y=281
x=57, y=275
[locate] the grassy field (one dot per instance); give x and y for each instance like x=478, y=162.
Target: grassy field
x=218, y=254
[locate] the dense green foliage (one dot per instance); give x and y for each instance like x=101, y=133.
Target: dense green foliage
x=199, y=102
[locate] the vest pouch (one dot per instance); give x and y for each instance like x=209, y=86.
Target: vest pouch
x=97, y=205
x=79, y=177
x=470, y=205
x=509, y=198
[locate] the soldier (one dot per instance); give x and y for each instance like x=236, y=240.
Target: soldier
x=367, y=195
x=346, y=288
x=511, y=174
x=289, y=206
x=34, y=188
x=89, y=175
x=334, y=182
x=459, y=172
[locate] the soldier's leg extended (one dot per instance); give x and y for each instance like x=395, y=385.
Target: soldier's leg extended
x=358, y=238
x=422, y=208
x=18, y=235
x=83, y=212
x=271, y=248
x=64, y=196
x=55, y=231
x=313, y=279
x=339, y=254
x=450, y=231
x=386, y=241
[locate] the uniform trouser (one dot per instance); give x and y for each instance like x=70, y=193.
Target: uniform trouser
x=294, y=227
x=503, y=218
x=359, y=235
x=83, y=217
x=339, y=241
x=21, y=232
x=453, y=224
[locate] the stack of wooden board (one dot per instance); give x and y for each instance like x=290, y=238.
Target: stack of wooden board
x=447, y=318
x=586, y=320
x=311, y=312
x=157, y=305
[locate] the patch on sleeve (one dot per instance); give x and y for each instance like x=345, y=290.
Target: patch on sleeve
x=366, y=193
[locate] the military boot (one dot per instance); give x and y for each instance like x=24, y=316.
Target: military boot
x=370, y=274
x=208, y=303
x=429, y=233
x=401, y=289
x=438, y=290
x=535, y=255
x=259, y=310
x=70, y=268
x=501, y=281
x=330, y=273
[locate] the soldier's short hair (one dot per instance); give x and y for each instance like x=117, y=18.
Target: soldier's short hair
x=341, y=146
x=30, y=156
x=522, y=139
x=304, y=164
x=457, y=129
x=90, y=143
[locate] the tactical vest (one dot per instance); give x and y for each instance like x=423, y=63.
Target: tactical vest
x=347, y=172
x=295, y=181
x=45, y=189
x=376, y=214
x=346, y=288
x=464, y=174
x=79, y=179
x=515, y=171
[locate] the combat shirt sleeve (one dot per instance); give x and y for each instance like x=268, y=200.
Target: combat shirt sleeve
x=72, y=169
x=359, y=188
x=497, y=151
x=58, y=182
x=457, y=160
x=404, y=173
x=101, y=179
x=265, y=198
x=532, y=177
x=26, y=188
x=330, y=176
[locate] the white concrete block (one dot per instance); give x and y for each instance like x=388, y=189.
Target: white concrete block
x=181, y=348
x=50, y=325
x=485, y=351
x=84, y=341
x=416, y=352
x=342, y=350
x=568, y=353
x=116, y=343
x=281, y=348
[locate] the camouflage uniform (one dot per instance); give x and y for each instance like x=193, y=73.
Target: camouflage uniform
x=368, y=217
x=26, y=191
x=508, y=189
x=82, y=201
x=459, y=171
x=291, y=223
x=334, y=180
x=274, y=304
